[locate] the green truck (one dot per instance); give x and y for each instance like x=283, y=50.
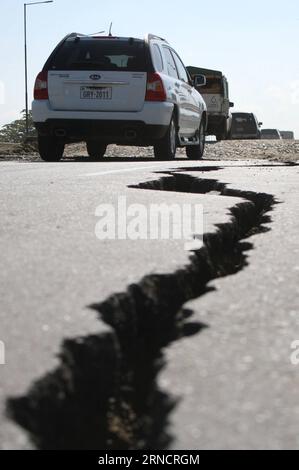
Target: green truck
x=216, y=95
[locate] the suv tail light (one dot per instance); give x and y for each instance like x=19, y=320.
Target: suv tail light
x=155, y=90
x=41, y=86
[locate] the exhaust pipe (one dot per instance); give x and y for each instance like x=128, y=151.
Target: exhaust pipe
x=130, y=134
x=60, y=133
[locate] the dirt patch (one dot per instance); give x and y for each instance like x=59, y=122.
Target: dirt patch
x=284, y=151
x=226, y=150
x=17, y=152
x=254, y=149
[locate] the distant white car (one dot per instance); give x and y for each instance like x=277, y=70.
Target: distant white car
x=111, y=90
x=271, y=134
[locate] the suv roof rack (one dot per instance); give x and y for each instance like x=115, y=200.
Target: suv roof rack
x=151, y=37
x=76, y=34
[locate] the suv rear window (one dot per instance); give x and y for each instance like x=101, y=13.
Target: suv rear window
x=244, y=123
x=270, y=132
x=126, y=55
x=213, y=86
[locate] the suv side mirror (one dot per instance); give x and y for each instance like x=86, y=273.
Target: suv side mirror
x=199, y=80
x=231, y=105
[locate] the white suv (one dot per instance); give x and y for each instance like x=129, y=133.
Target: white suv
x=125, y=91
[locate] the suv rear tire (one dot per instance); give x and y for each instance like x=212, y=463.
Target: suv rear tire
x=165, y=149
x=195, y=152
x=96, y=150
x=50, y=149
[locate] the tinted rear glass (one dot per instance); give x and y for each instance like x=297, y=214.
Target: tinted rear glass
x=100, y=54
x=270, y=132
x=244, y=124
x=213, y=86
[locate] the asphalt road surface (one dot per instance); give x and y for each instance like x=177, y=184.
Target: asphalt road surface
x=206, y=335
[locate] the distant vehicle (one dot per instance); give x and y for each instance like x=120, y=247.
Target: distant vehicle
x=287, y=135
x=216, y=95
x=112, y=90
x=271, y=134
x=245, y=126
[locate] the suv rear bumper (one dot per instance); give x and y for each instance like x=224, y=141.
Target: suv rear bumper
x=140, y=128
x=117, y=132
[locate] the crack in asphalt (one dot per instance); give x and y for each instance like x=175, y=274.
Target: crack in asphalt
x=104, y=393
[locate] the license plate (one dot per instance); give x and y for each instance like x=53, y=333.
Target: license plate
x=95, y=93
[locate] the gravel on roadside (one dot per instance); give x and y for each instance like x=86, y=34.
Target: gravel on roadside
x=284, y=151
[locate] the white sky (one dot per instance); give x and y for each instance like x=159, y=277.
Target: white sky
x=254, y=43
